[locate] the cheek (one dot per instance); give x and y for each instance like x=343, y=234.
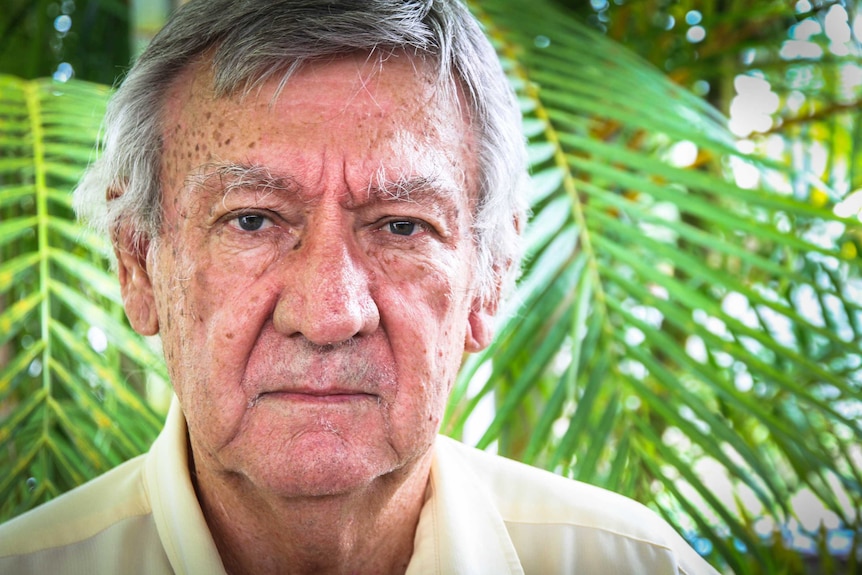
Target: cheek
x=222, y=278
x=433, y=275
x=426, y=324
x=231, y=302
x=212, y=315
x=209, y=309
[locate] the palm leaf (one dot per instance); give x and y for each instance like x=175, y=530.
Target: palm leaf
x=72, y=406
x=657, y=325
x=665, y=317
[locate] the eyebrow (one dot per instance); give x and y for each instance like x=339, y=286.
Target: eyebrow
x=243, y=176
x=412, y=189
x=237, y=176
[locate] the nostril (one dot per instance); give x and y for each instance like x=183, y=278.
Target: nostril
x=331, y=312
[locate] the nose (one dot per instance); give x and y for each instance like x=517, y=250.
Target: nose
x=326, y=296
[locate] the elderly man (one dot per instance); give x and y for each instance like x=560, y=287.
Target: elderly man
x=315, y=205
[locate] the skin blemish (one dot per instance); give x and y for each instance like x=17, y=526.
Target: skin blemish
x=276, y=338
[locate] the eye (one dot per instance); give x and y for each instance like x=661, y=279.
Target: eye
x=251, y=222
x=402, y=227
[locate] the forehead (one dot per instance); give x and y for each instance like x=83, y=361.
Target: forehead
x=373, y=117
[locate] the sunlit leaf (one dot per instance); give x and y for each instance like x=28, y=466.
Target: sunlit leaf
x=53, y=288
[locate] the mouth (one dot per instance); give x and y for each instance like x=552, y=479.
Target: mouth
x=313, y=397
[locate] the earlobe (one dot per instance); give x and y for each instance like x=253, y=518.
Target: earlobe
x=479, y=327
x=480, y=323
x=135, y=285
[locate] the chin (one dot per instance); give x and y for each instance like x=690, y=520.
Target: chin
x=320, y=464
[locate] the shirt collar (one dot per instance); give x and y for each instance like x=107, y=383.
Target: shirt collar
x=460, y=530
x=176, y=511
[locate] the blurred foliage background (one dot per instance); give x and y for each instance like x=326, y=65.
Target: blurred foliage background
x=687, y=328
x=36, y=36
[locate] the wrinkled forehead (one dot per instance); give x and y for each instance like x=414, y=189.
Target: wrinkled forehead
x=387, y=110
x=392, y=80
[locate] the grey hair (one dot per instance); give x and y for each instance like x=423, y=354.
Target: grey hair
x=253, y=41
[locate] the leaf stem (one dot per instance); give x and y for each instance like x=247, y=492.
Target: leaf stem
x=34, y=113
x=532, y=92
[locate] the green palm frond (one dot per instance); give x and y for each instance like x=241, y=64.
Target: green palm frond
x=670, y=326
x=672, y=334
x=71, y=370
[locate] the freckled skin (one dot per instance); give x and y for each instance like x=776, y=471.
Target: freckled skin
x=313, y=356
x=253, y=314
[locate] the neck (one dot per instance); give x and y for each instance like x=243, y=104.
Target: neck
x=369, y=530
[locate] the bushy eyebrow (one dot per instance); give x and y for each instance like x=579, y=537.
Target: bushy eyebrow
x=413, y=189
x=222, y=179
x=226, y=178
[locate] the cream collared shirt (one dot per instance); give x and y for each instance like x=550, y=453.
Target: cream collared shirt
x=484, y=515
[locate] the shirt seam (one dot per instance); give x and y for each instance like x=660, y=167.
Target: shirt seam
x=436, y=519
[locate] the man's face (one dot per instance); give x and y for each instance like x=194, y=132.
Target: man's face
x=313, y=279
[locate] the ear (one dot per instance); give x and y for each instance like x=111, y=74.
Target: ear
x=135, y=287
x=480, y=324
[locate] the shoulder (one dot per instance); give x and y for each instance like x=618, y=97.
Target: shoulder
x=542, y=493
x=80, y=514
x=584, y=525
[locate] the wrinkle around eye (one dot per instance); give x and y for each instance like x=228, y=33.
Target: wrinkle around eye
x=253, y=234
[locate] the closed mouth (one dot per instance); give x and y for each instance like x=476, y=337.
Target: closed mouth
x=314, y=396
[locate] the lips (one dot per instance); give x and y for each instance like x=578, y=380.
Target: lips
x=314, y=397
x=319, y=395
